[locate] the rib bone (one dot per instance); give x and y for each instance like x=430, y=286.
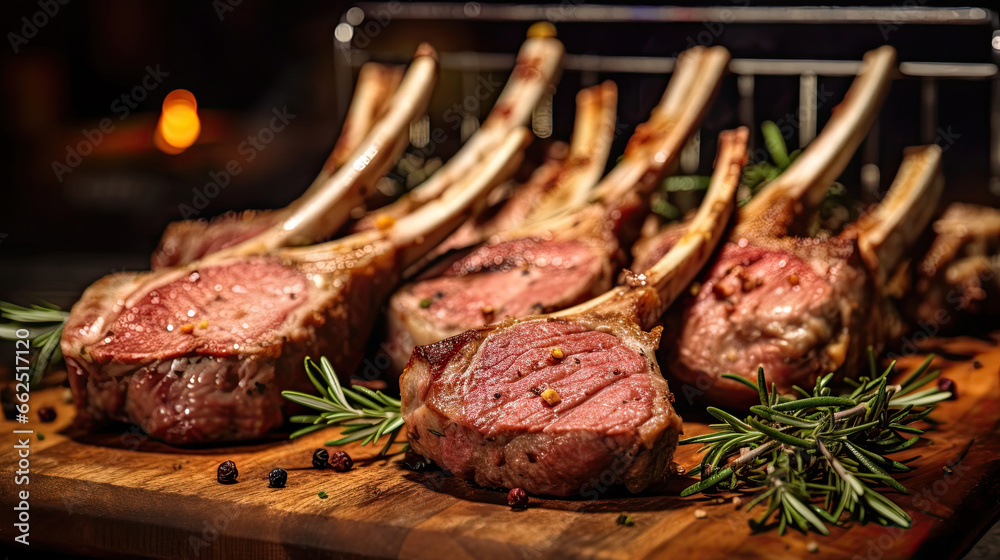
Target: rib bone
x=656, y=144
x=887, y=233
x=535, y=74
x=558, y=186
x=786, y=204
x=320, y=212
x=183, y=242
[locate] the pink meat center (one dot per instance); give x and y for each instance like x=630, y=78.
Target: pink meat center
x=511, y=279
x=603, y=385
x=216, y=311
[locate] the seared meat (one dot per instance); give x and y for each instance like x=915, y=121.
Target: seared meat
x=957, y=279
x=189, y=240
x=567, y=259
x=560, y=403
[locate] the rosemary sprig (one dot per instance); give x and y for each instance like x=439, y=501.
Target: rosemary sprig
x=364, y=415
x=758, y=174
x=818, y=459
x=44, y=324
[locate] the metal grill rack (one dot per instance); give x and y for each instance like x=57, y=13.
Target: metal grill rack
x=361, y=34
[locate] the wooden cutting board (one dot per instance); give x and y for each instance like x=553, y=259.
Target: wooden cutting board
x=118, y=494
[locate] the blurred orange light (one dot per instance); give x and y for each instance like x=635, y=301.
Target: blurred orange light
x=179, y=125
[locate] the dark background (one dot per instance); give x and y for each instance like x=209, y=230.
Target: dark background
x=242, y=61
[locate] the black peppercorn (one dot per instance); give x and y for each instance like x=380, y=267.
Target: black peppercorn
x=341, y=461
x=415, y=461
x=46, y=414
x=517, y=498
x=945, y=384
x=321, y=458
x=228, y=473
x=277, y=478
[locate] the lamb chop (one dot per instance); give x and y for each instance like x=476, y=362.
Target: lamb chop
x=189, y=240
x=800, y=307
x=557, y=402
x=957, y=279
x=535, y=73
x=565, y=260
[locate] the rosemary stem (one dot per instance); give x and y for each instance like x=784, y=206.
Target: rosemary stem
x=752, y=454
x=853, y=411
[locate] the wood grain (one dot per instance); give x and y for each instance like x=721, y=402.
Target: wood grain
x=119, y=494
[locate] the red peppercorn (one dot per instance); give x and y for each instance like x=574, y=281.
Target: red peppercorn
x=945, y=384
x=46, y=414
x=228, y=473
x=341, y=461
x=517, y=498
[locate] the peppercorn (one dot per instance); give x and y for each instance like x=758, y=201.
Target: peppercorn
x=228, y=473
x=341, y=461
x=517, y=498
x=46, y=414
x=551, y=396
x=277, y=478
x=415, y=461
x=321, y=458
x=945, y=384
